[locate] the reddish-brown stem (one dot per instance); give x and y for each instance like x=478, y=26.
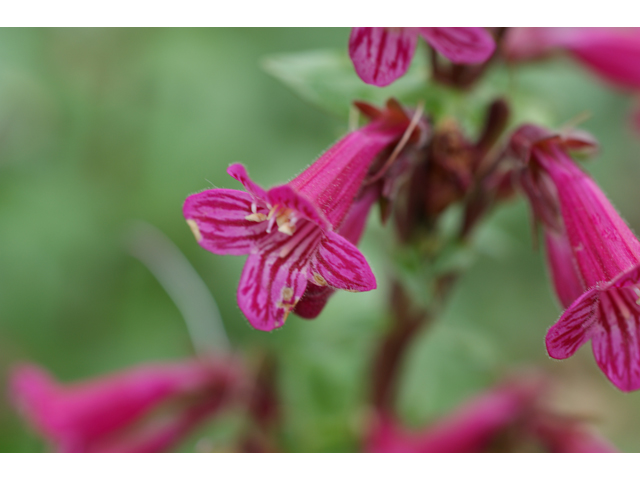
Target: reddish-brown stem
x=407, y=322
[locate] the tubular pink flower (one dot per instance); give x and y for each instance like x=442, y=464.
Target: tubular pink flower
x=289, y=231
x=98, y=415
x=382, y=55
x=470, y=428
x=595, y=263
x=566, y=435
x=566, y=279
x=611, y=53
x=508, y=416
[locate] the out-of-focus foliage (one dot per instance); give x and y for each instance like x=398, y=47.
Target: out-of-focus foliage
x=99, y=128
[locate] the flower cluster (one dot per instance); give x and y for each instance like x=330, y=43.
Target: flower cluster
x=435, y=180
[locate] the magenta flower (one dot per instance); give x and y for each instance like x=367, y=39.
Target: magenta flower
x=567, y=435
x=382, y=55
x=470, y=428
x=509, y=417
x=289, y=231
x=106, y=414
x=594, y=259
x=611, y=53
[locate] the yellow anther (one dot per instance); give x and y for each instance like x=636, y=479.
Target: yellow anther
x=194, y=229
x=287, y=294
x=287, y=228
x=256, y=217
x=319, y=279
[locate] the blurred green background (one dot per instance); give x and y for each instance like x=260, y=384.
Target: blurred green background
x=99, y=128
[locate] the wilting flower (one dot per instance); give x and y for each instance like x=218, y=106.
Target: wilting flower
x=500, y=419
x=612, y=53
x=119, y=412
x=289, y=231
x=594, y=259
x=382, y=55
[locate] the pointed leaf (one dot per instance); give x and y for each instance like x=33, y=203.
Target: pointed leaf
x=327, y=79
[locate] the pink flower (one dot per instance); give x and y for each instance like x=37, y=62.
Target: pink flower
x=611, y=53
x=106, y=414
x=508, y=417
x=382, y=55
x=472, y=427
x=567, y=435
x=594, y=259
x=289, y=231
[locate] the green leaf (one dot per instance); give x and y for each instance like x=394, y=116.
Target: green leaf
x=327, y=79
x=448, y=364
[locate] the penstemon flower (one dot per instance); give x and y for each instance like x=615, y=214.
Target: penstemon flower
x=108, y=414
x=594, y=259
x=507, y=417
x=289, y=231
x=611, y=53
x=381, y=55
x=469, y=428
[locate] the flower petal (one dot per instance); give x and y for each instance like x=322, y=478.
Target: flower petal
x=566, y=279
x=313, y=301
x=611, y=53
x=218, y=220
x=271, y=284
x=316, y=297
x=381, y=55
x=238, y=172
x=287, y=197
x=616, y=342
x=340, y=264
x=575, y=326
x=460, y=44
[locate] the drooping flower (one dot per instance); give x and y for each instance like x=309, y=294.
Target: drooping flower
x=506, y=417
x=381, y=55
x=611, y=53
x=289, y=231
x=594, y=259
x=108, y=414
